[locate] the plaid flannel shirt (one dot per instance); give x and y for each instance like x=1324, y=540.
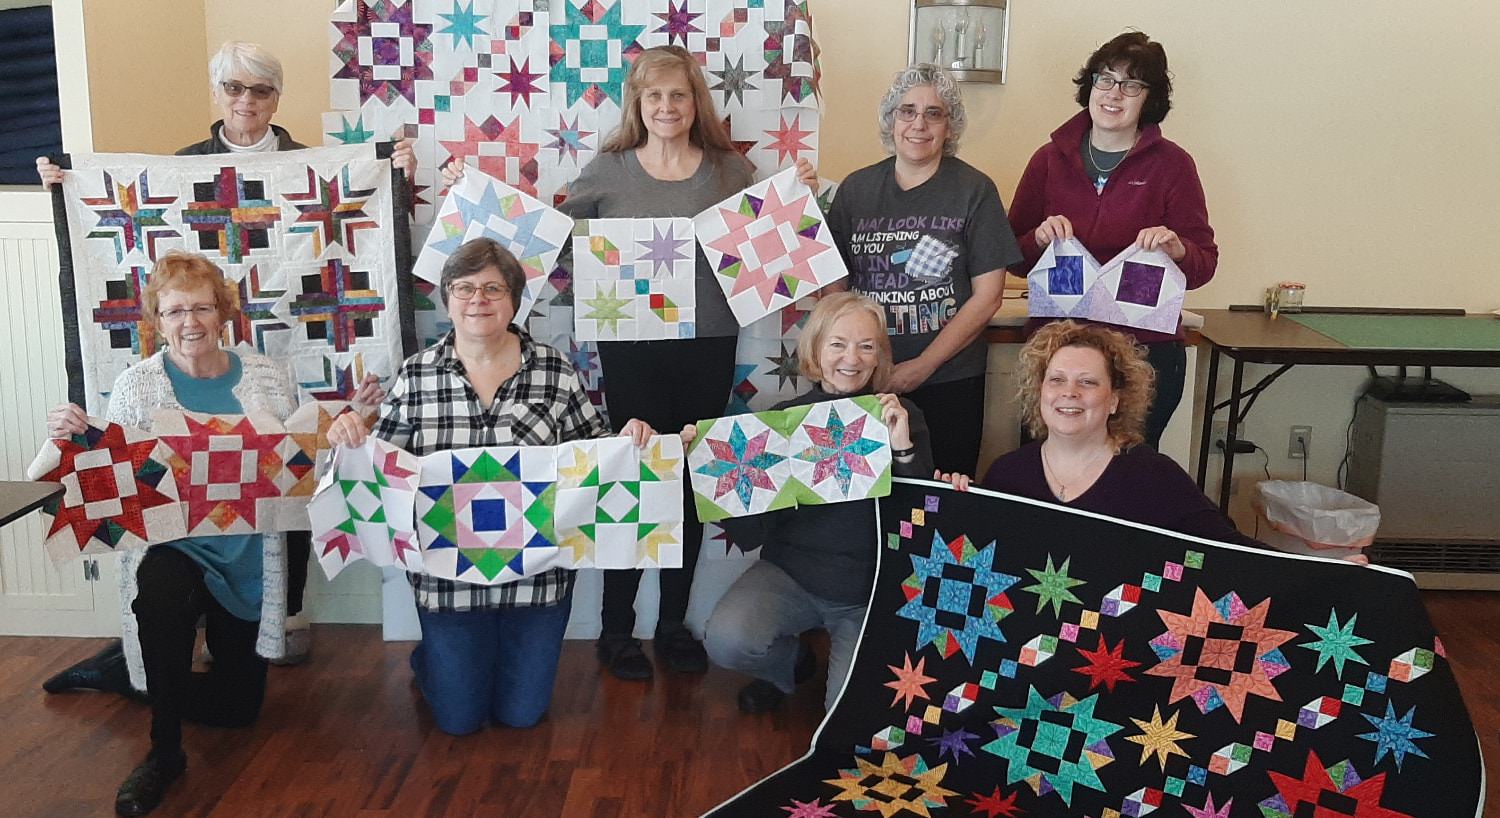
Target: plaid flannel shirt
x=433, y=408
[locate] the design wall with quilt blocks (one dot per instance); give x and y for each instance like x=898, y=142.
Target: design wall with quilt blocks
x=1023, y=659
x=305, y=239
x=633, y=279
x=828, y=452
x=526, y=91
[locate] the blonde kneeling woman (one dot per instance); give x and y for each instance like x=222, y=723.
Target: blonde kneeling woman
x=817, y=562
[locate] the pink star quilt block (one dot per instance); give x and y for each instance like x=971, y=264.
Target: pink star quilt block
x=769, y=246
x=115, y=495
x=365, y=509
x=635, y=279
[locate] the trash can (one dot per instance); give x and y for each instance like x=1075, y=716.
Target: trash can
x=1310, y=518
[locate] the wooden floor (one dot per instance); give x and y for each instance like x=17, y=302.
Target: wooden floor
x=345, y=735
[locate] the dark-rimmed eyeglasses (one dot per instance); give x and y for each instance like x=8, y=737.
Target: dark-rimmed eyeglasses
x=933, y=115
x=176, y=314
x=464, y=291
x=234, y=88
x=1130, y=88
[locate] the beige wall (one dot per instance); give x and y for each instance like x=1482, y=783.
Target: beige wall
x=296, y=31
x=143, y=61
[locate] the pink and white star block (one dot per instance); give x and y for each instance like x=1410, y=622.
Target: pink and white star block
x=769, y=246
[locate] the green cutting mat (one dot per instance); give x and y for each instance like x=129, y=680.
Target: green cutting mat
x=1404, y=331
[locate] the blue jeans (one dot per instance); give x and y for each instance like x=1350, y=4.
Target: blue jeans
x=755, y=626
x=495, y=665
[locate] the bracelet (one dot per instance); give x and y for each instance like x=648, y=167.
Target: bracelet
x=907, y=452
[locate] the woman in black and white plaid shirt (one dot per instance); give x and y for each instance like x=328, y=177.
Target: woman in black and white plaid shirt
x=487, y=652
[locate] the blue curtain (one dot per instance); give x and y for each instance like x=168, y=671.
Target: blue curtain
x=31, y=124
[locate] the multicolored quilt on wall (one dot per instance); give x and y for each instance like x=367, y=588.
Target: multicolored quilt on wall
x=306, y=238
x=527, y=90
x=1021, y=660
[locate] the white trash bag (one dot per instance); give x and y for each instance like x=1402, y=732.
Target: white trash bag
x=1311, y=518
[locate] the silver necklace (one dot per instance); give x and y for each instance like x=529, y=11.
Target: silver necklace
x=1061, y=491
x=1095, y=160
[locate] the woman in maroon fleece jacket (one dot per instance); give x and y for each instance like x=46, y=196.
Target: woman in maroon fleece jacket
x=1109, y=179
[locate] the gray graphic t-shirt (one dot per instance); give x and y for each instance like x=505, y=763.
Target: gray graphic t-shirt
x=915, y=251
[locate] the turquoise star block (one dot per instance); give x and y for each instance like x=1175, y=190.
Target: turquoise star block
x=593, y=52
x=1336, y=643
x=1077, y=743
x=353, y=133
x=463, y=24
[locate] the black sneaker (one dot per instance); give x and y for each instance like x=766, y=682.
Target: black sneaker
x=677, y=649
x=760, y=696
x=147, y=783
x=623, y=657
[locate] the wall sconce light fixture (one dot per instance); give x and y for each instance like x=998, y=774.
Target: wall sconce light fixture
x=967, y=37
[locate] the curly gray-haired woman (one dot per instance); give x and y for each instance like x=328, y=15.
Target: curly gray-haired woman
x=925, y=236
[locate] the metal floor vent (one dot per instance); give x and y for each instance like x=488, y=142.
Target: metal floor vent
x=1455, y=557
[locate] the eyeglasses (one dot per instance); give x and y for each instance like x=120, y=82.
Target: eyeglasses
x=235, y=88
x=934, y=115
x=1130, y=88
x=176, y=314
x=463, y=290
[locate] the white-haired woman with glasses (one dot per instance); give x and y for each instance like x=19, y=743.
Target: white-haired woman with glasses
x=245, y=82
x=925, y=236
x=1109, y=179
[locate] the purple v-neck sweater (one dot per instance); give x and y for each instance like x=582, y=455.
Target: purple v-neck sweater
x=1139, y=485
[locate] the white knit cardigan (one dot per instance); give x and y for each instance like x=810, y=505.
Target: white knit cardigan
x=145, y=388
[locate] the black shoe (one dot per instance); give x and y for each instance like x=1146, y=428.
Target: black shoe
x=759, y=696
x=623, y=657
x=147, y=783
x=91, y=673
x=677, y=649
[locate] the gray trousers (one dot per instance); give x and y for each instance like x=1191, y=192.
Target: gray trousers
x=755, y=626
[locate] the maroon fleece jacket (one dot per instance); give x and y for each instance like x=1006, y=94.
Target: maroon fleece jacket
x=1156, y=184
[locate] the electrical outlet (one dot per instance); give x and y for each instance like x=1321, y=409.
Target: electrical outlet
x=1299, y=443
x=1220, y=431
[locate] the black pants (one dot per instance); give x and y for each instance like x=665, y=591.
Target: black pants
x=668, y=384
x=1169, y=359
x=954, y=411
x=298, y=552
x=171, y=598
